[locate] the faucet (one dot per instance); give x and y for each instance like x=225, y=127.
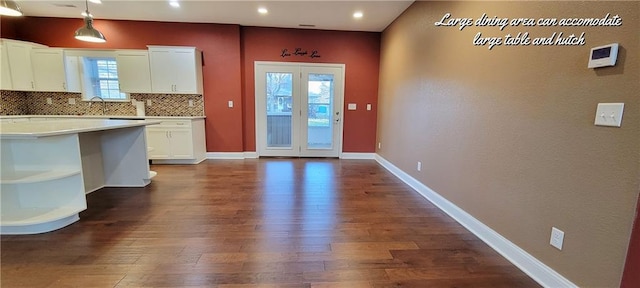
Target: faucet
x=104, y=107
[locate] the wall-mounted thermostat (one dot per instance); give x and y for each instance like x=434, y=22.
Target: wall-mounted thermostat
x=603, y=56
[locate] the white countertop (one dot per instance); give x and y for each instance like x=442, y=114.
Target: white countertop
x=27, y=130
x=102, y=117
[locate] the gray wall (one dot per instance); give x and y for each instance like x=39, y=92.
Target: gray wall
x=507, y=134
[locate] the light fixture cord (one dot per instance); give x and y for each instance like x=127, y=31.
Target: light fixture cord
x=86, y=5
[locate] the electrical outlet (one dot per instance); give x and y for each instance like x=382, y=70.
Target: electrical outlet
x=557, y=238
x=149, y=102
x=49, y=101
x=419, y=167
x=72, y=101
x=379, y=145
x=190, y=103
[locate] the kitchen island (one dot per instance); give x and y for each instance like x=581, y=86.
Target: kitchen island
x=48, y=167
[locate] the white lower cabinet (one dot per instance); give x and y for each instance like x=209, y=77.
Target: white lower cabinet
x=176, y=142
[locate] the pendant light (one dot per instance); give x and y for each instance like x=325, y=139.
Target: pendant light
x=87, y=32
x=9, y=8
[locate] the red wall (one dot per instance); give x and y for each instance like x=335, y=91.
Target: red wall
x=221, y=72
x=229, y=52
x=631, y=276
x=8, y=27
x=359, y=51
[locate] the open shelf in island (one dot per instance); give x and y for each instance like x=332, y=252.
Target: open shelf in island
x=46, y=173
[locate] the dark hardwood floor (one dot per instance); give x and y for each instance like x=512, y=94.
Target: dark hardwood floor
x=259, y=223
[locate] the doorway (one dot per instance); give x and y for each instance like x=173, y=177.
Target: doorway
x=299, y=109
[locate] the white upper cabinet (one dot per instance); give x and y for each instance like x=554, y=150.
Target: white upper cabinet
x=134, y=74
x=48, y=69
x=5, y=73
x=72, y=73
x=20, y=68
x=175, y=70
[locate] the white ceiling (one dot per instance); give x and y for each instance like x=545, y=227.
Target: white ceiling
x=329, y=15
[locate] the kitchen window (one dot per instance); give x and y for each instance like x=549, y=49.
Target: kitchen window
x=94, y=73
x=101, y=79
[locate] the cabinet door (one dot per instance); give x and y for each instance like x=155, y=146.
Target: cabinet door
x=181, y=144
x=73, y=74
x=176, y=70
x=20, y=66
x=162, y=71
x=184, y=66
x=158, y=143
x=5, y=73
x=134, y=75
x=48, y=69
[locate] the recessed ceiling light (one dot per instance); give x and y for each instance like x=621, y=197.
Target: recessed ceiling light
x=263, y=10
x=96, y=1
x=174, y=4
x=358, y=14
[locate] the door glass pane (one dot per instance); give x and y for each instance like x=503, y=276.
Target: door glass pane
x=279, y=102
x=320, y=113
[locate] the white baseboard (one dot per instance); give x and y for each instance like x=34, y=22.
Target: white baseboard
x=357, y=156
x=250, y=155
x=254, y=155
x=232, y=155
x=533, y=267
x=225, y=155
x=177, y=161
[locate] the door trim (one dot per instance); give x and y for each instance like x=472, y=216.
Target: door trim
x=298, y=65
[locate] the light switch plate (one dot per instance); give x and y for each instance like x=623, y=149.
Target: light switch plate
x=230, y=104
x=368, y=107
x=557, y=238
x=351, y=106
x=609, y=114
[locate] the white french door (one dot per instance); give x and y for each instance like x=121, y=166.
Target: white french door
x=299, y=109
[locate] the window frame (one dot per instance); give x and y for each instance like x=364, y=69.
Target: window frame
x=86, y=89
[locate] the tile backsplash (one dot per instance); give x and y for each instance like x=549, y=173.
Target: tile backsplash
x=36, y=103
x=13, y=103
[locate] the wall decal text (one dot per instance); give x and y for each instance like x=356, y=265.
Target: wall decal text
x=523, y=38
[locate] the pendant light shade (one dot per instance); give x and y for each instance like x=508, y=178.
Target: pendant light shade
x=87, y=32
x=9, y=8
